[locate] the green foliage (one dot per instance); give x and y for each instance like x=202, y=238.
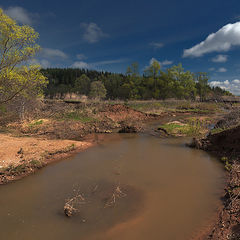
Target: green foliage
x=82, y=85
x=202, y=85
x=97, y=90
x=174, y=82
x=17, y=45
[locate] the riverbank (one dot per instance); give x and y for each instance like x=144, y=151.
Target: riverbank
x=223, y=141
x=58, y=130
x=21, y=156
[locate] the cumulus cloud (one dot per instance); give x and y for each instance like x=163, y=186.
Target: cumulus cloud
x=222, y=70
x=53, y=53
x=211, y=69
x=221, y=41
x=92, y=32
x=232, y=86
x=80, y=64
x=220, y=58
x=19, y=14
x=166, y=62
x=156, y=45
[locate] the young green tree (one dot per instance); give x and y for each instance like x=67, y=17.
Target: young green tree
x=17, y=45
x=97, y=90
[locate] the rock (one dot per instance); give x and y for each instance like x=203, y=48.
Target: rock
x=20, y=151
x=128, y=129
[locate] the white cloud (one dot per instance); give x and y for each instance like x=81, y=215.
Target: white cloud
x=156, y=45
x=236, y=81
x=152, y=60
x=221, y=41
x=166, y=62
x=42, y=62
x=108, y=62
x=222, y=70
x=226, y=82
x=19, y=14
x=211, y=69
x=232, y=86
x=220, y=58
x=92, y=32
x=53, y=53
x=163, y=63
x=80, y=64
x=81, y=56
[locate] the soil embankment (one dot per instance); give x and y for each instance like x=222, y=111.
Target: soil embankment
x=20, y=156
x=29, y=146
x=224, y=142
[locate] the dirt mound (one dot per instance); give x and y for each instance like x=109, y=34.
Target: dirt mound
x=223, y=143
x=120, y=112
x=229, y=120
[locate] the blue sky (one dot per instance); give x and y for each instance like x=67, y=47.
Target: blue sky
x=110, y=35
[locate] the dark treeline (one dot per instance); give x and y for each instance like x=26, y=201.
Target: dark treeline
x=153, y=84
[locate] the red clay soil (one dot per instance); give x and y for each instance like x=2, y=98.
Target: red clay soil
x=20, y=156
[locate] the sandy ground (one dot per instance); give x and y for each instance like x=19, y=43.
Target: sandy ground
x=14, y=149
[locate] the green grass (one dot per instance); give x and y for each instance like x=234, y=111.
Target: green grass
x=217, y=130
x=36, y=123
x=77, y=116
x=192, y=127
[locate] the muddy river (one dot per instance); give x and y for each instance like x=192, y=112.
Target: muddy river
x=133, y=187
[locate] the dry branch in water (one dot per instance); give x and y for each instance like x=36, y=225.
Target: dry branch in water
x=70, y=206
x=116, y=194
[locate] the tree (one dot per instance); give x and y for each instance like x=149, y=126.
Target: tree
x=153, y=71
x=184, y=85
x=17, y=45
x=202, y=85
x=133, y=69
x=82, y=85
x=97, y=90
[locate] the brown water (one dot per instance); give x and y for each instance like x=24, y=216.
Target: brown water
x=171, y=191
